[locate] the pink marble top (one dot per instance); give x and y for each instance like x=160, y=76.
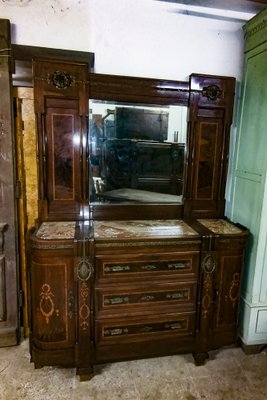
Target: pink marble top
x=141, y=229
x=220, y=226
x=56, y=230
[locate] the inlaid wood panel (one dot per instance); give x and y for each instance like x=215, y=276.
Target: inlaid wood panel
x=53, y=307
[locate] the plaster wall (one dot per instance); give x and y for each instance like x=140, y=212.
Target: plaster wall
x=134, y=37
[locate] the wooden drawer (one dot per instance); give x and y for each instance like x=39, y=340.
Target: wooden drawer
x=128, y=299
x=129, y=266
x=131, y=329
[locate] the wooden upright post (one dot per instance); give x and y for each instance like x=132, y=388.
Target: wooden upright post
x=9, y=289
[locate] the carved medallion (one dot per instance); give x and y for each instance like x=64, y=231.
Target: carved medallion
x=60, y=79
x=84, y=270
x=208, y=264
x=212, y=92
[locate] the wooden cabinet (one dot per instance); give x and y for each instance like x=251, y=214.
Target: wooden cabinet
x=249, y=194
x=222, y=258
x=60, y=296
x=140, y=288
x=114, y=280
x=53, y=305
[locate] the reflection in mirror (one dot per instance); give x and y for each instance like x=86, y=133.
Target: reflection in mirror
x=136, y=152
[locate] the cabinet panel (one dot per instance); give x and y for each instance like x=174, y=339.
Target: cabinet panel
x=227, y=285
x=207, y=159
x=52, y=302
x=63, y=156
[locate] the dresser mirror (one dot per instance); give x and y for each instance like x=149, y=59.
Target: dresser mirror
x=137, y=152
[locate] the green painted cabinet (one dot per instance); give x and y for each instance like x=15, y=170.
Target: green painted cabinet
x=249, y=194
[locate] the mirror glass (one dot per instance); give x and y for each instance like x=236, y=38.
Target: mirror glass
x=137, y=152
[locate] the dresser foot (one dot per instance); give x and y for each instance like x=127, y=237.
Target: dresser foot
x=200, y=358
x=85, y=374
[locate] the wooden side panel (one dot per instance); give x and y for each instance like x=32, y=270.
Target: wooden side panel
x=9, y=328
x=61, y=106
x=210, y=116
x=52, y=308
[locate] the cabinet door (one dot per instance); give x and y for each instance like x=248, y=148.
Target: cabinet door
x=52, y=309
x=63, y=151
x=61, y=107
x=226, y=288
x=210, y=116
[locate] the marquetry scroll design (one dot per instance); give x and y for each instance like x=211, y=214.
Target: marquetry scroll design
x=46, y=304
x=71, y=304
x=126, y=330
x=148, y=267
x=233, y=292
x=208, y=266
x=61, y=79
x=212, y=92
x=84, y=310
x=140, y=298
x=206, y=297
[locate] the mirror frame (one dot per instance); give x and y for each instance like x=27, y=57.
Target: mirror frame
x=146, y=91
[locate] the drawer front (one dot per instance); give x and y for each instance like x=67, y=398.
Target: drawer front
x=129, y=299
x=143, y=329
x=139, y=267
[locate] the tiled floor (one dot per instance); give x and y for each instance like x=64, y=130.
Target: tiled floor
x=228, y=375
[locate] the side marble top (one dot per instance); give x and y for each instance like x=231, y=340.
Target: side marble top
x=220, y=226
x=56, y=230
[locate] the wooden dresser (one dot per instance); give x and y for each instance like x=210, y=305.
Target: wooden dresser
x=131, y=255
x=147, y=288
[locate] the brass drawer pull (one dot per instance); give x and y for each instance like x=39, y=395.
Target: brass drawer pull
x=179, y=265
x=153, y=327
x=117, y=268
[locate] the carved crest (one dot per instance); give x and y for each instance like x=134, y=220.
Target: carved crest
x=84, y=270
x=60, y=79
x=212, y=92
x=208, y=264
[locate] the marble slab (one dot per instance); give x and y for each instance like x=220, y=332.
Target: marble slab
x=220, y=226
x=56, y=230
x=141, y=229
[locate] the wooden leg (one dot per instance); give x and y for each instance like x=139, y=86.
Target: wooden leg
x=200, y=358
x=85, y=374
